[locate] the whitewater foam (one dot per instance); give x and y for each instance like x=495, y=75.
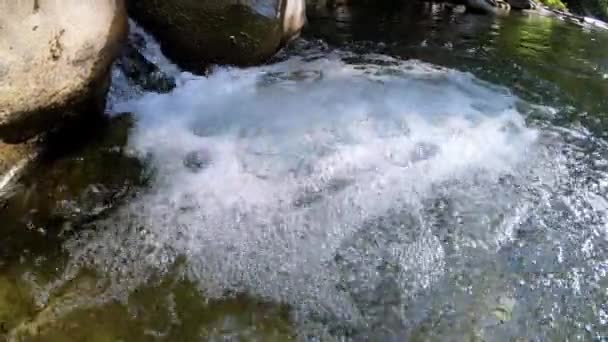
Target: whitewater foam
x=315, y=182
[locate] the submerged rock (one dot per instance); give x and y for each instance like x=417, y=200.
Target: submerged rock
x=15, y=305
x=196, y=161
x=85, y=309
x=195, y=33
x=81, y=292
x=488, y=6
x=84, y=177
x=13, y=159
x=523, y=4
x=144, y=73
x=55, y=59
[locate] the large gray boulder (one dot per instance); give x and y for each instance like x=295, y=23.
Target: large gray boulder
x=197, y=33
x=55, y=58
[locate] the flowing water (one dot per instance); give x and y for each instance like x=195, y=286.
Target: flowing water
x=412, y=174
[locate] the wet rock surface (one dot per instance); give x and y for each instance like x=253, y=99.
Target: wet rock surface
x=78, y=185
x=55, y=62
x=13, y=305
x=196, y=34
x=175, y=308
x=523, y=4
x=142, y=72
x=498, y=7
x=13, y=158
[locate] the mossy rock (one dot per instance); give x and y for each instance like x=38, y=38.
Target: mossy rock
x=165, y=311
x=143, y=73
x=15, y=305
x=197, y=33
x=76, y=178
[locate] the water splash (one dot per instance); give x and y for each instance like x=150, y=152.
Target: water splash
x=352, y=188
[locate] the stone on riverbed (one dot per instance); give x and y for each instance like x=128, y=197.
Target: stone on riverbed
x=497, y=7
x=142, y=70
x=143, y=73
x=14, y=305
x=84, y=308
x=196, y=161
x=84, y=177
x=196, y=33
x=13, y=159
x=523, y=4
x=55, y=58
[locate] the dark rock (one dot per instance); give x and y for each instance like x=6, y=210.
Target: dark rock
x=196, y=161
x=144, y=73
x=74, y=180
x=523, y=4
x=488, y=6
x=319, y=4
x=593, y=8
x=13, y=158
x=196, y=33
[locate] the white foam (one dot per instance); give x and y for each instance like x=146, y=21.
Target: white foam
x=317, y=174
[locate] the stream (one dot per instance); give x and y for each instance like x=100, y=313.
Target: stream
x=412, y=174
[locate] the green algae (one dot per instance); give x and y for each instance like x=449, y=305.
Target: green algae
x=170, y=310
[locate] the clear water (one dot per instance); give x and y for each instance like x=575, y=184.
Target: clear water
x=412, y=174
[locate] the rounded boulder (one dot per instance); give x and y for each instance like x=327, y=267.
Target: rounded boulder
x=198, y=33
x=55, y=59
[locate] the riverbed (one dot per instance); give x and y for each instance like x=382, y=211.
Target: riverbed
x=412, y=173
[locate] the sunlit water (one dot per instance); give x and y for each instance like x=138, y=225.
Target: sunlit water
x=343, y=193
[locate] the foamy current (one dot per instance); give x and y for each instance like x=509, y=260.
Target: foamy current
x=358, y=189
